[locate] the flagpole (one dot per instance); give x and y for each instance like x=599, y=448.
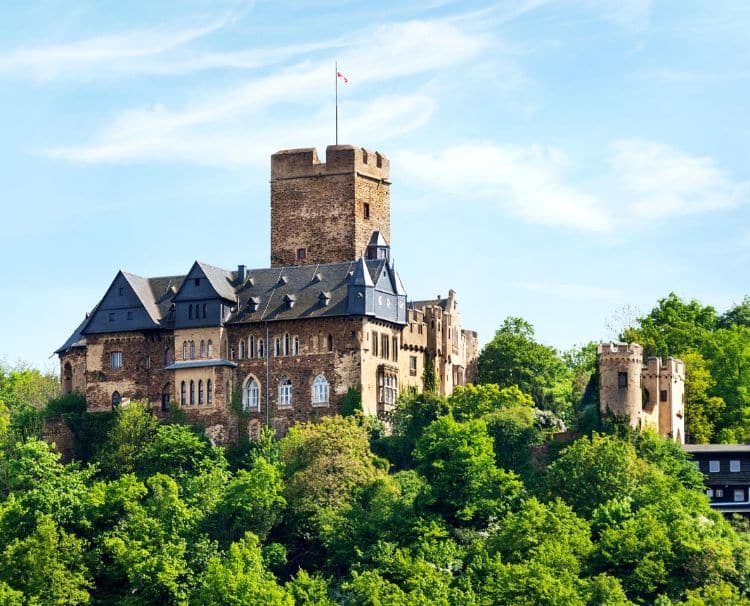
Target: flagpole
x=336, y=79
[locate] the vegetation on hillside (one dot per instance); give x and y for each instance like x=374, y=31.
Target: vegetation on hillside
x=468, y=501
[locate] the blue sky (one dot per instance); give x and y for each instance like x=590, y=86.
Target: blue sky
x=554, y=159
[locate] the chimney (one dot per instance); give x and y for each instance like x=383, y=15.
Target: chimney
x=241, y=271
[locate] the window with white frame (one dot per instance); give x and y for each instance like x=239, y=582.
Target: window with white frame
x=734, y=466
x=387, y=388
x=710, y=493
x=285, y=392
x=714, y=467
x=320, y=390
x=115, y=360
x=210, y=348
x=296, y=345
x=242, y=349
x=739, y=495
x=719, y=493
x=251, y=395
x=203, y=349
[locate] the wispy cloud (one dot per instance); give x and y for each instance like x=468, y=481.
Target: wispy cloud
x=640, y=180
x=571, y=291
x=662, y=181
x=230, y=120
x=529, y=182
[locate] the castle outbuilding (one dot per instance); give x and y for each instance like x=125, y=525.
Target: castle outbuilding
x=287, y=342
x=650, y=395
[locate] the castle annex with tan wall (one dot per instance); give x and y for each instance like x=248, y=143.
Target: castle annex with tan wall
x=650, y=395
x=288, y=341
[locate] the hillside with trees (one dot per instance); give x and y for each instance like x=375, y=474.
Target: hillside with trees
x=468, y=500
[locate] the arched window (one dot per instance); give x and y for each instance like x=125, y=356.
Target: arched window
x=116, y=399
x=185, y=351
x=287, y=343
x=165, y=397
x=261, y=349
x=183, y=393
x=67, y=378
x=204, y=311
x=168, y=358
x=192, y=392
x=285, y=392
x=225, y=349
x=242, y=349
x=330, y=342
x=296, y=345
x=251, y=395
x=190, y=312
x=209, y=392
x=320, y=390
x=277, y=347
x=200, y=391
x=210, y=348
x=192, y=350
x=203, y=349
x=251, y=346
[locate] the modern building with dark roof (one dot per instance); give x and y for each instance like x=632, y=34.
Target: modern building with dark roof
x=284, y=343
x=726, y=472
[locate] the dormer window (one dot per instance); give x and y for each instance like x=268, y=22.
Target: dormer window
x=283, y=280
x=197, y=281
x=324, y=298
x=317, y=278
x=290, y=300
x=252, y=304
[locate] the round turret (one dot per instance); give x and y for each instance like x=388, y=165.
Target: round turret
x=620, y=366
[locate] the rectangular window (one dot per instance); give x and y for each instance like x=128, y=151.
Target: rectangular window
x=719, y=493
x=663, y=395
x=120, y=291
x=148, y=362
x=739, y=495
x=111, y=316
x=374, y=343
x=367, y=210
x=130, y=315
x=413, y=366
x=714, y=467
x=734, y=466
x=301, y=254
x=197, y=281
x=115, y=360
x=384, y=346
x=710, y=493
x=622, y=379
x=395, y=349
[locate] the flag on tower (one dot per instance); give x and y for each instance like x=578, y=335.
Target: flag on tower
x=342, y=76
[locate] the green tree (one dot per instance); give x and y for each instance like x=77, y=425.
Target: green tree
x=703, y=411
x=239, y=578
x=513, y=357
x=739, y=315
x=474, y=401
x=133, y=430
x=458, y=462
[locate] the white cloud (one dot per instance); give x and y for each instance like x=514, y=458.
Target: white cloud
x=661, y=181
x=571, y=291
x=639, y=180
x=227, y=122
x=527, y=181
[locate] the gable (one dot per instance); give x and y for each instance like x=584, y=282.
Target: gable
x=120, y=310
x=202, y=283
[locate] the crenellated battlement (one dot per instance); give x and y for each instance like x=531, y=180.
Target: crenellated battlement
x=304, y=162
x=620, y=349
x=671, y=367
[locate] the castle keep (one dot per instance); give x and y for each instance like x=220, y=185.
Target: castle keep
x=286, y=342
x=649, y=396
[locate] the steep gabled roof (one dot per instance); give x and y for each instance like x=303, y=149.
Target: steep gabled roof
x=220, y=279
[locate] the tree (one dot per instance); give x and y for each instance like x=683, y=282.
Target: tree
x=47, y=566
x=239, y=578
x=458, y=462
x=176, y=450
x=252, y=501
x=513, y=357
x=475, y=401
x=739, y=315
x=673, y=327
x=703, y=411
x=133, y=429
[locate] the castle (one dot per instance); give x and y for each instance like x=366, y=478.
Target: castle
x=649, y=396
x=285, y=342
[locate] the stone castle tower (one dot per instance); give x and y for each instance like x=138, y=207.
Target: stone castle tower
x=651, y=395
x=327, y=212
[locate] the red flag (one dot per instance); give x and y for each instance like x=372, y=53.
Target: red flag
x=343, y=77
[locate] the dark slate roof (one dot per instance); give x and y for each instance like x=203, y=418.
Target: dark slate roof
x=76, y=339
x=199, y=364
x=377, y=239
x=162, y=291
x=220, y=279
x=306, y=282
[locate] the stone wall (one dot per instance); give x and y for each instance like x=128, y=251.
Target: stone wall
x=56, y=431
x=330, y=209
x=73, y=370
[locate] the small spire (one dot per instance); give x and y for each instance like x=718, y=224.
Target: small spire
x=361, y=275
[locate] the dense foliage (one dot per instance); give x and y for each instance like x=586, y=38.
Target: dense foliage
x=466, y=502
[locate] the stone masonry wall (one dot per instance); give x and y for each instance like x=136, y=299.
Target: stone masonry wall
x=73, y=370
